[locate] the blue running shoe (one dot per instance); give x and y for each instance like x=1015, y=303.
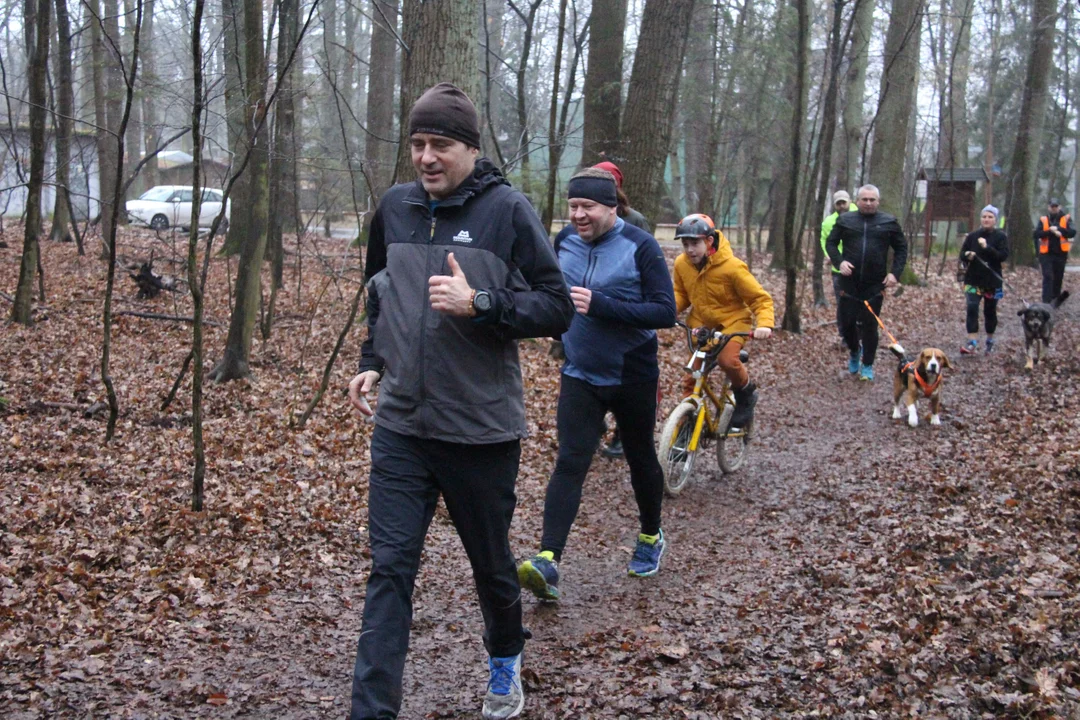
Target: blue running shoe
x=505, y=698
x=854, y=362
x=867, y=373
x=541, y=575
x=647, y=554
x=971, y=347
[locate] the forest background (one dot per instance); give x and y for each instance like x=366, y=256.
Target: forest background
x=751, y=111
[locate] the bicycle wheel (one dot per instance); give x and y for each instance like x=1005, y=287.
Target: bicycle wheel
x=732, y=447
x=675, y=459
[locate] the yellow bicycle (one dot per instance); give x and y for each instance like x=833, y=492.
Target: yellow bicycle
x=704, y=416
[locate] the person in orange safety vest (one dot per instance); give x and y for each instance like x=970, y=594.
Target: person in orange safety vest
x=1053, y=240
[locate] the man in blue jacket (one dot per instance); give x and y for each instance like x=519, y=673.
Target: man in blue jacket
x=622, y=293
x=459, y=268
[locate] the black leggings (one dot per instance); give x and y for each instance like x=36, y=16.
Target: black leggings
x=581, y=412
x=857, y=326
x=989, y=313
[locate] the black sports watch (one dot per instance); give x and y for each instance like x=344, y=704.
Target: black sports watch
x=482, y=301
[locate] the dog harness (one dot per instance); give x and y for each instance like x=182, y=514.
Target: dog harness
x=927, y=389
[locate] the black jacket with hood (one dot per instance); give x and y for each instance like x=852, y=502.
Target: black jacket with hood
x=866, y=240
x=977, y=274
x=448, y=378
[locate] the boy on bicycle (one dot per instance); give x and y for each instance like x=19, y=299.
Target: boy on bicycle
x=722, y=295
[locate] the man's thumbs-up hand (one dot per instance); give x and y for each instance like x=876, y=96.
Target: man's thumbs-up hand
x=451, y=294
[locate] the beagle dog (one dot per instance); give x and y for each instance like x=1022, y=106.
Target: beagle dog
x=921, y=376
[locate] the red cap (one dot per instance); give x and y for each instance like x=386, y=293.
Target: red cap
x=613, y=169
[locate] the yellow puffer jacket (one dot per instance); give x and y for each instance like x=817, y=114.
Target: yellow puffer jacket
x=723, y=294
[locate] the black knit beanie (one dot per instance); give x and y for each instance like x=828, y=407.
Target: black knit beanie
x=446, y=110
x=596, y=185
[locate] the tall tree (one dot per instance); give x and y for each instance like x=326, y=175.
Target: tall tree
x=893, y=117
x=234, y=362
x=151, y=130
x=199, y=452
x=603, y=82
x=441, y=41
x=283, y=162
x=36, y=15
x=234, y=65
x=828, y=134
x=379, y=146
x=858, y=57
x=527, y=15
x=62, y=122
x=1023, y=168
x=953, y=72
x=654, y=85
x=698, y=105
x=555, y=140
x=791, y=320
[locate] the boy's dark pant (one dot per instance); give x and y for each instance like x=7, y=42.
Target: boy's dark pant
x=407, y=476
x=857, y=326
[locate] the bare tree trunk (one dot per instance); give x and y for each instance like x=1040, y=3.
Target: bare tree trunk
x=1023, y=168
x=894, y=108
x=150, y=126
x=698, y=103
x=792, y=321
x=379, y=149
x=441, y=41
x=199, y=452
x=849, y=170
x=555, y=140
x=127, y=80
x=36, y=16
x=953, y=76
x=603, y=83
x=114, y=93
x=62, y=123
x=283, y=162
x=235, y=362
x=528, y=18
x=828, y=133
x=654, y=85
x=235, y=93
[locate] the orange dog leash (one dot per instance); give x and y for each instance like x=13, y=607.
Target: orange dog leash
x=896, y=347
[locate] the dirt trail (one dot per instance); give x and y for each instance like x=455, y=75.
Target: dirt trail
x=853, y=567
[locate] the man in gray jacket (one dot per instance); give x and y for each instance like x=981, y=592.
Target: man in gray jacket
x=459, y=268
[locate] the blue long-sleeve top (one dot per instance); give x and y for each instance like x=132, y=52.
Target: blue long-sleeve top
x=632, y=296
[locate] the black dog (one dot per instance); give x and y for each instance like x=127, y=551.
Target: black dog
x=1038, y=321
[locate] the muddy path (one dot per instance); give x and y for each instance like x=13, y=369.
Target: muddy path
x=855, y=567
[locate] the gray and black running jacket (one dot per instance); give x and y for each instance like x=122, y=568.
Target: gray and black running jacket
x=448, y=378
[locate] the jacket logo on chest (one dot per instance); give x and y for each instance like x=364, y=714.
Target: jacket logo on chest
x=463, y=237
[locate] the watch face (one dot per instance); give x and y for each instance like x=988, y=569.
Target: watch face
x=482, y=301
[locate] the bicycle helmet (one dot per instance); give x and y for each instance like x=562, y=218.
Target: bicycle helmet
x=695, y=225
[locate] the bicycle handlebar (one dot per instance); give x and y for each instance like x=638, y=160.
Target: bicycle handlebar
x=721, y=338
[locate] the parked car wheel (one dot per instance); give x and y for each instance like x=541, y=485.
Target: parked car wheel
x=159, y=222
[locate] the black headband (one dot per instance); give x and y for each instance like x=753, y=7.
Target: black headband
x=601, y=190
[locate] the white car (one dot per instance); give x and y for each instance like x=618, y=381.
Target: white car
x=166, y=206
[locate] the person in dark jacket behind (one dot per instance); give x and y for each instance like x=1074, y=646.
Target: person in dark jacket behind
x=866, y=236
x=459, y=267
x=622, y=293
x=983, y=250
x=1053, y=240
